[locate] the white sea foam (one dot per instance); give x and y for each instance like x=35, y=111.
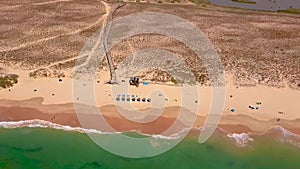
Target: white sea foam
x=165, y=137
x=44, y=124
x=285, y=136
x=241, y=139
x=36, y=123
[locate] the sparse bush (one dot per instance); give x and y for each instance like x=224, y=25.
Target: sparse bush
x=8, y=81
x=174, y=80
x=202, y=79
x=291, y=11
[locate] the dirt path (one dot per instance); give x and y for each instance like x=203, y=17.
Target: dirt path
x=24, y=45
x=107, y=18
x=104, y=17
x=37, y=3
x=50, y=2
x=132, y=53
x=62, y=61
x=113, y=77
x=89, y=54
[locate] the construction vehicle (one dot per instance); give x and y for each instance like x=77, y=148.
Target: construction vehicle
x=134, y=81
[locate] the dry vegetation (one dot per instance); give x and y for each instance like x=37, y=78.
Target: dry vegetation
x=44, y=33
x=155, y=75
x=256, y=47
x=8, y=80
x=180, y=2
x=139, y=42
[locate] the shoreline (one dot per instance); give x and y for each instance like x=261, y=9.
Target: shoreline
x=241, y=139
x=235, y=147
x=230, y=123
x=22, y=102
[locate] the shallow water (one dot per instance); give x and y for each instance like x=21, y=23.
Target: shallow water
x=52, y=148
x=267, y=5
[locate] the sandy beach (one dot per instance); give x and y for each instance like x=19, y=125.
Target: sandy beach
x=262, y=90
x=170, y=84
x=52, y=100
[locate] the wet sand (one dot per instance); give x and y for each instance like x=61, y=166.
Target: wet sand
x=230, y=123
x=22, y=102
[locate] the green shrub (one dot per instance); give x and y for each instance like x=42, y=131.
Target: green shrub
x=8, y=81
x=174, y=80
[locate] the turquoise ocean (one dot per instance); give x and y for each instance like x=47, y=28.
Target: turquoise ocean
x=49, y=148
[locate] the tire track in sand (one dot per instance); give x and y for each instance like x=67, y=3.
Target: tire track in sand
x=24, y=45
x=89, y=54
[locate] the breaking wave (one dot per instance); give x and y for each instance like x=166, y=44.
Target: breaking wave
x=277, y=132
x=241, y=139
x=45, y=124
x=36, y=123
x=284, y=136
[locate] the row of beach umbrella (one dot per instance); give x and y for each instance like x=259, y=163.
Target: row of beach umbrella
x=133, y=98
